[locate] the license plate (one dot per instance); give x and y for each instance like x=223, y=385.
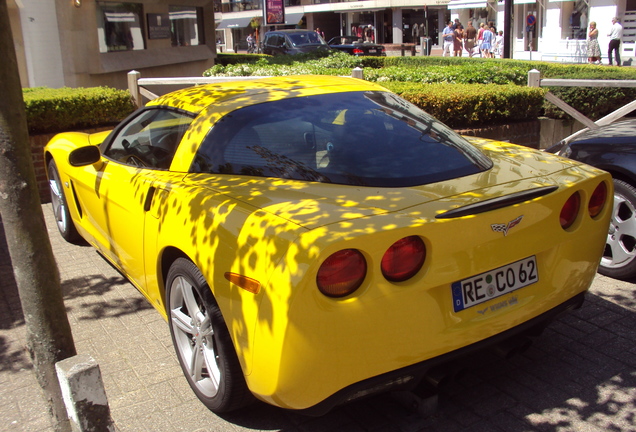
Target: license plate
x=372, y=51
x=494, y=283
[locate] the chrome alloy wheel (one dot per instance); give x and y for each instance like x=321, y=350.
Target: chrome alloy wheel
x=194, y=336
x=620, y=248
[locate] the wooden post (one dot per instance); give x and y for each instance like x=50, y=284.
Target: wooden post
x=534, y=78
x=357, y=73
x=133, y=87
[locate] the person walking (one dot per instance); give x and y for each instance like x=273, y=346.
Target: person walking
x=458, y=45
x=615, y=35
x=499, y=45
x=486, y=44
x=448, y=36
x=593, y=48
x=480, y=38
x=470, y=36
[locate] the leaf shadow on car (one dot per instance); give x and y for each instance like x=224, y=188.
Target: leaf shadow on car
x=578, y=372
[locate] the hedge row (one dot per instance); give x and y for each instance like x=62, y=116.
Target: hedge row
x=416, y=71
x=462, y=105
x=52, y=110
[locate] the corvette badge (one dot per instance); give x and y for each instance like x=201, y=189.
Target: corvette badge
x=504, y=228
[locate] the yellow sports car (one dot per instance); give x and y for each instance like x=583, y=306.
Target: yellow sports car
x=313, y=240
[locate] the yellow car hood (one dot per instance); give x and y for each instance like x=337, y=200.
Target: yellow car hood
x=312, y=205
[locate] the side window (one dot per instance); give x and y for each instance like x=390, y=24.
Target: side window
x=150, y=140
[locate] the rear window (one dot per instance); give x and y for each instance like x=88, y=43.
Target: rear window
x=355, y=138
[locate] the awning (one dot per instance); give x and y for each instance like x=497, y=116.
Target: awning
x=467, y=4
x=234, y=23
x=293, y=18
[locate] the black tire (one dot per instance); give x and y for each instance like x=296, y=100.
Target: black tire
x=202, y=342
x=619, y=256
x=60, y=206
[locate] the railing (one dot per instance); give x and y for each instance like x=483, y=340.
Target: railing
x=534, y=80
x=138, y=90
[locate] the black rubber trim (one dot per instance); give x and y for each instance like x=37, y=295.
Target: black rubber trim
x=383, y=383
x=495, y=203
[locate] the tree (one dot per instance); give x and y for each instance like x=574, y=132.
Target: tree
x=49, y=337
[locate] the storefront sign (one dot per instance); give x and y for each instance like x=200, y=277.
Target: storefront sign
x=274, y=12
x=158, y=26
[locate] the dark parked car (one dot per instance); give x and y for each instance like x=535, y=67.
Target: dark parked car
x=613, y=148
x=355, y=46
x=284, y=42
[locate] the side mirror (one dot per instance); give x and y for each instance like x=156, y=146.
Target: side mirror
x=84, y=156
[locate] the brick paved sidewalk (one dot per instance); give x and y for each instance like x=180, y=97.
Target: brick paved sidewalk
x=579, y=376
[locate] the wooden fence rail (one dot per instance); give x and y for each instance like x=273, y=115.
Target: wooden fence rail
x=534, y=80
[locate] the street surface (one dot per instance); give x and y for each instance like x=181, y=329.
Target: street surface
x=580, y=375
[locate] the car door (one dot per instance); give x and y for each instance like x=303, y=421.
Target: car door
x=117, y=199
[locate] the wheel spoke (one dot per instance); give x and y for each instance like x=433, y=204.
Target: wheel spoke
x=214, y=373
x=189, y=299
x=182, y=321
x=197, y=361
x=619, y=254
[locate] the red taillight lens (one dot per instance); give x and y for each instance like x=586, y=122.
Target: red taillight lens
x=570, y=211
x=403, y=259
x=598, y=200
x=358, y=51
x=342, y=273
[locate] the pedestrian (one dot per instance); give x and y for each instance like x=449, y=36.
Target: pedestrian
x=458, y=37
x=251, y=45
x=321, y=33
x=486, y=44
x=499, y=45
x=480, y=37
x=470, y=36
x=593, y=48
x=615, y=35
x=447, y=36
x=368, y=34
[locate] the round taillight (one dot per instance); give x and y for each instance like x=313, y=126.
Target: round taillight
x=403, y=259
x=570, y=211
x=598, y=200
x=342, y=273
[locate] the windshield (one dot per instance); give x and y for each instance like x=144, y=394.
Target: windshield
x=353, y=138
x=309, y=38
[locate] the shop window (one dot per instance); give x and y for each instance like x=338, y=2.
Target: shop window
x=574, y=19
x=186, y=25
x=119, y=26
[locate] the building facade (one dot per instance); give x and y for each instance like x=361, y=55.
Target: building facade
x=86, y=43
x=551, y=30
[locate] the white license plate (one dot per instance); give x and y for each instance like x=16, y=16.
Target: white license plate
x=372, y=51
x=494, y=283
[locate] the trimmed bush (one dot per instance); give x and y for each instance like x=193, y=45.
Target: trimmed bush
x=57, y=110
x=414, y=71
x=462, y=105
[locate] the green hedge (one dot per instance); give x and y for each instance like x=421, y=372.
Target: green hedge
x=462, y=105
x=57, y=110
x=451, y=73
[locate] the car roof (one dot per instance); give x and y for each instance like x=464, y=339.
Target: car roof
x=196, y=99
x=622, y=130
x=288, y=31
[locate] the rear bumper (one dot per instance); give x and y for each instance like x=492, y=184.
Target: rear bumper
x=409, y=377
